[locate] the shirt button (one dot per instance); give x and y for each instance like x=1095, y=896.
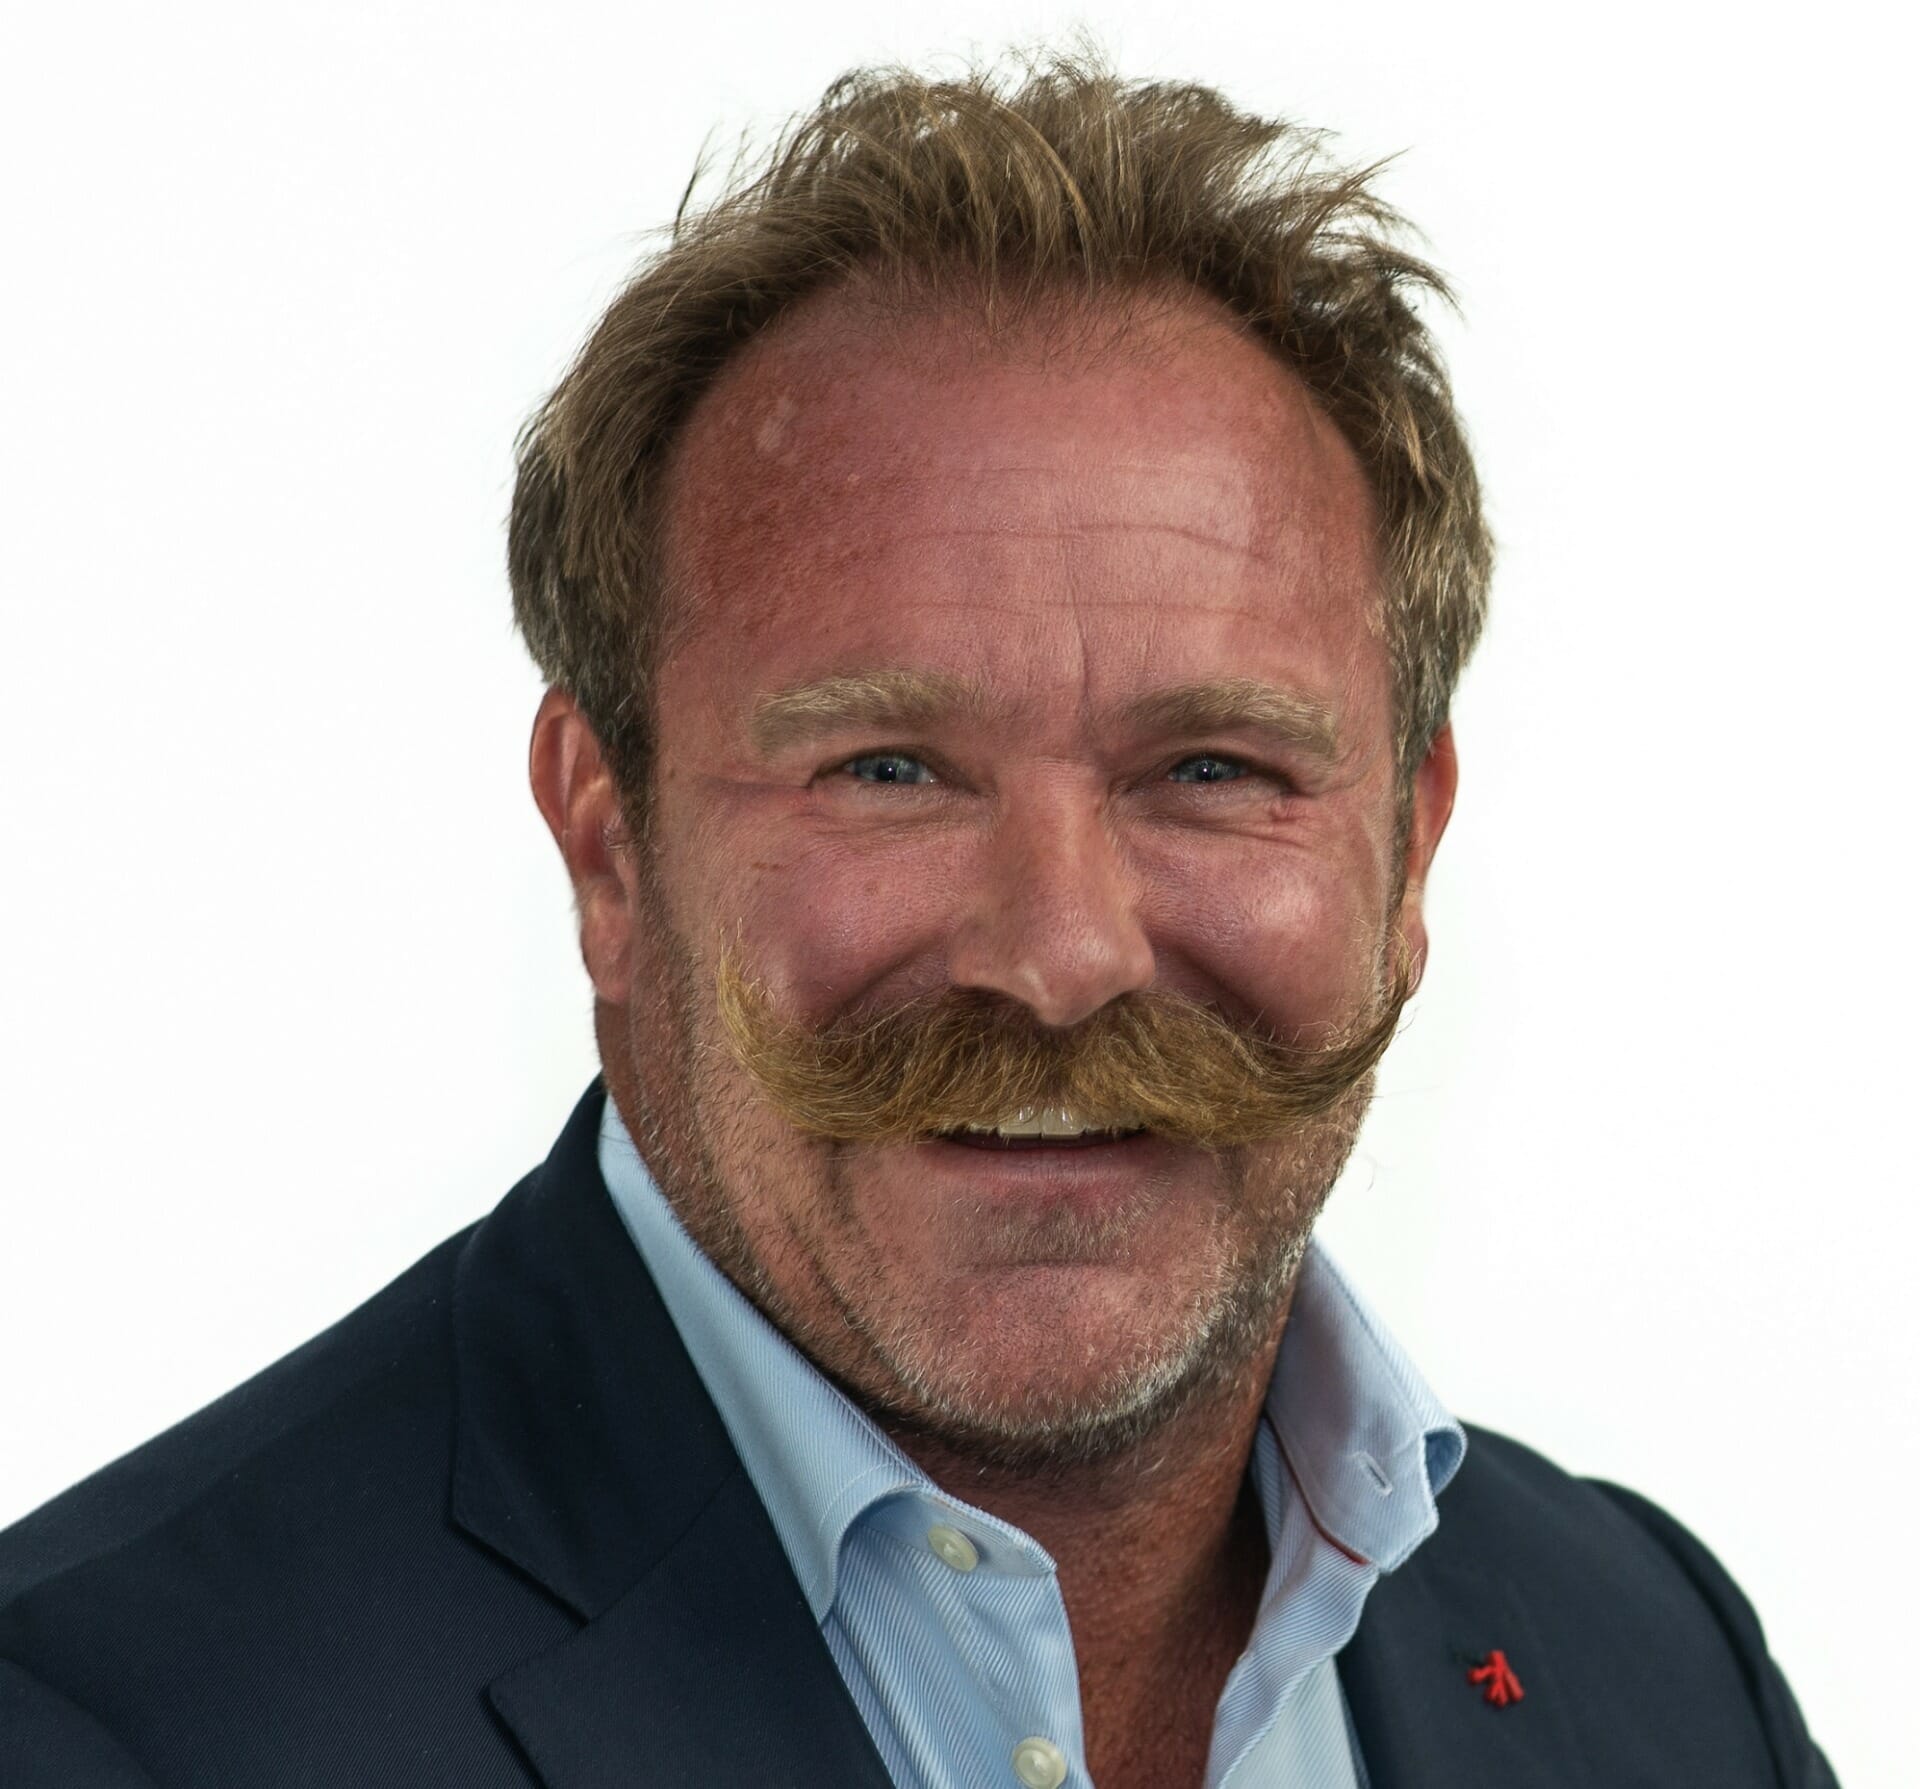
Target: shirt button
x=1039, y=1763
x=954, y=1547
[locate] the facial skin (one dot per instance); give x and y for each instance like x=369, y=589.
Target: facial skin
x=1068, y=533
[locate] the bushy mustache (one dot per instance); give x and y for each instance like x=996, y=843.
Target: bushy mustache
x=1149, y=1058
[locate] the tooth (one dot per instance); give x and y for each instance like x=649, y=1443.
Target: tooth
x=1032, y=1122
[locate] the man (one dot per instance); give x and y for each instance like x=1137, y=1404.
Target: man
x=1002, y=573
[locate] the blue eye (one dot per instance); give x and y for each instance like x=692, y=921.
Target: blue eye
x=1235, y=771
x=888, y=768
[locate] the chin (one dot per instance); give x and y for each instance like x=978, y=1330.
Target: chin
x=1028, y=1397
x=1035, y=1432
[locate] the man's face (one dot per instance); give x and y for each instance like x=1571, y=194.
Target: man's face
x=1050, y=545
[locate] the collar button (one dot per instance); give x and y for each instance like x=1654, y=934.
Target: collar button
x=1039, y=1763
x=953, y=1547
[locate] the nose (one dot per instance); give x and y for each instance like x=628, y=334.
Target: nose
x=1051, y=919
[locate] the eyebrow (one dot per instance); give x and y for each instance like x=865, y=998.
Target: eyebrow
x=866, y=699
x=906, y=698
x=1236, y=703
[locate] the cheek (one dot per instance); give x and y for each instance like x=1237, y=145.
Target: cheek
x=1271, y=930
x=830, y=924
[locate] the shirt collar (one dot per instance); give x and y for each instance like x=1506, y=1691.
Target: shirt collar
x=1368, y=1443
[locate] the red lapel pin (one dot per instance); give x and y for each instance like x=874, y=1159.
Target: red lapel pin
x=1502, y=1686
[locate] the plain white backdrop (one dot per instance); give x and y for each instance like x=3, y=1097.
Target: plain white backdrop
x=290, y=988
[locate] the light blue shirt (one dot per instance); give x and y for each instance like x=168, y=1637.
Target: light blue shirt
x=948, y=1625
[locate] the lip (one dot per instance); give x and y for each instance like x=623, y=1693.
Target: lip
x=1077, y=1169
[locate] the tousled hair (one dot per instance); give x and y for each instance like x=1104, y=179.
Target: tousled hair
x=1060, y=174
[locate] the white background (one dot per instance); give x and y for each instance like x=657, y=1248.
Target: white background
x=290, y=989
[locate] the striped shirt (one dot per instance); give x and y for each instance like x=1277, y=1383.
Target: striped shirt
x=948, y=1625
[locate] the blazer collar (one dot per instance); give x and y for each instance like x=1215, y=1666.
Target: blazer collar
x=588, y=1455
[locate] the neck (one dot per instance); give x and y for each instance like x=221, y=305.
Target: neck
x=1162, y=1558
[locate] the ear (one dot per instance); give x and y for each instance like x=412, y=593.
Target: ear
x=576, y=795
x=1433, y=789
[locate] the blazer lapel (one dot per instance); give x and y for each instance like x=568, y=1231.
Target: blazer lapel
x=589, y=1456
x=1421, y=1722
x=711, y=1669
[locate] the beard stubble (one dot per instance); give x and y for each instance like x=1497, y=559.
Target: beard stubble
x=813, y=1275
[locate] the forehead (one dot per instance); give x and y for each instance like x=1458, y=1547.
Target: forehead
x=859, y=476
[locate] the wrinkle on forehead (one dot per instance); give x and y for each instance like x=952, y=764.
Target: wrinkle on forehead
x=835, y=424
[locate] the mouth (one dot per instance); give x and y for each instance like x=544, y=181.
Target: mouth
x=1038, y=1128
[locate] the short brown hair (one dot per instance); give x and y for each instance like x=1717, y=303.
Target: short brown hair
x=1064, y=173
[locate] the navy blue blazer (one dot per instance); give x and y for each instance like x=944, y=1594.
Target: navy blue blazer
x=487, y=1530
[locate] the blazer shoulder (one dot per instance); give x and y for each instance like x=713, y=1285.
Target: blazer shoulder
x=48, y=1743
x=390, y=1349
x=1630, y=1577
x=1801, y=1761
x=213, y=1605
